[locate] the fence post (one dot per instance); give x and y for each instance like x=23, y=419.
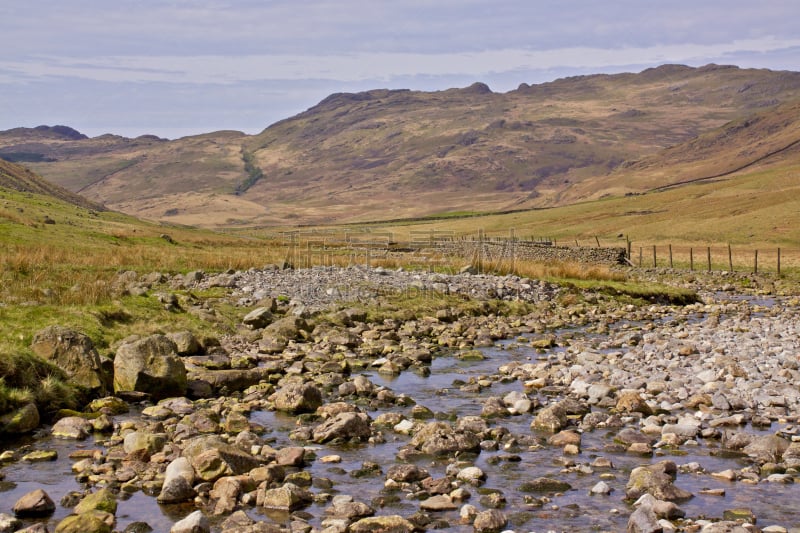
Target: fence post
x=755, y=263
x=779, y=261
x=654, y=257
x=480, y=251
x=708, y=250
x=730, y=257
x=597, y=241
x=670, y=256
x=629, y=247
x=691, y=259
x=308, y=254
x=640, y=257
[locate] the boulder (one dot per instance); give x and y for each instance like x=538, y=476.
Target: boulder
x=194, y=523
x=213, y=458
x=439, y=438
x=178, y=480
x=344, y=426
x=185, y=342
x=9, y=524
x=656, y=479
x=33, y=504
x=22, y=420
x=102, y=500
x=72, y=427
x=288, y=497
x=75, y=354
x=150, y=365
x=298, y=398
x=382, y=524
x=258, y=318
x=643, y=520
x=88, y=522
x=491, y=521
x=144, y=443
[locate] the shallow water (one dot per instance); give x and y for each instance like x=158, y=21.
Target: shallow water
x=574, y=510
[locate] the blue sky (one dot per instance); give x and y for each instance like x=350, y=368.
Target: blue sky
x=182, y=67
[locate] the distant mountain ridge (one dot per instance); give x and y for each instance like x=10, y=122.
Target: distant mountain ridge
x=19, y=178
x=386, y=154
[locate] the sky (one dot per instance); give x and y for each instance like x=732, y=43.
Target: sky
x=184, y=67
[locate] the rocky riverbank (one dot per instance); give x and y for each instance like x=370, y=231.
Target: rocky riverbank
x=506, y=404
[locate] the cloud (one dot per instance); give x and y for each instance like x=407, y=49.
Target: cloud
x=219, y=69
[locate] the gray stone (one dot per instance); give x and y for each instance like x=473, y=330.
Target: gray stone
x=382, y=524
x=344, y=426
x=150, y=365
x=178, y=480
x=22, y=420
x=298, y=398
x=33, y=504
x=194, y=523
x=75, y=354
x=491, y=521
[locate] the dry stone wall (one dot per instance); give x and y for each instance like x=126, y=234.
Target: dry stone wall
x=532, y=251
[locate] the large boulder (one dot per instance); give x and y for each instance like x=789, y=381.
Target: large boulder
x=22, y=420
x=439, y=438
x=178, y=482
x=344, y=426
x=33, y=504
x=213, y=458
x=150, y=365
x=656, y=479
x=75, y=354
x=298, y=398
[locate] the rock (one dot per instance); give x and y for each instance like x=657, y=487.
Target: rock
x=150, y=365
x=33, y=504
x=564, y=438
x=545, y=484
x=344, y=507
x=40, y=456
x=344, y=426
x=72, y=427
x=258, y=318
x=554, y=416
x=491, y=521
x=657, y=480
x=601, y=487
x=185, y=342
x=472, y=475
x=739, y=514
x=298, y=398
x=225, y=495
x=767, y=449
x=178, y=483
x=212, y=458
x=102, y=500
x=9, y=524
x=440, y=502
x=407, y=473
x=87, y=522
x=439, y=438
x=110, y=405
x=75, y=354
x=23, y=420
x=144, y=443
x=291, y=456
x=194, y=523
x=288, y=497
x=631, y=401
x=382, y=524
x=643, y=520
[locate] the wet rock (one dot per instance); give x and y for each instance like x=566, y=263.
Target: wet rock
x=194, y=523
x=143, y=444
x=439, y=502
x=344, y=426
x=643, y=520
x=212, y=458
x=39, y=456
x=739, y=514
x=298, y=398
x=439, y=438
x=545, y=484
x=345, y=507
x=33, y=504
x=407, y=473
x=9, y=524
x=631, y=401
x=554, y=417
x=472, y=475
x=657, y=480
x=769, y=448
x=178, y=483
x=72, y=427
x=288, y=497
x=601, y=487
x=491, y=521
x=87, y=522
x=225, y=494
x=102, y=500
x=75, y=354
x=291, y=456
x=150, y=365
x=382, y=524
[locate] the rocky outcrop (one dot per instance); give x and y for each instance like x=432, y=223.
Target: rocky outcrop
x=150, y=365
x=75, y=354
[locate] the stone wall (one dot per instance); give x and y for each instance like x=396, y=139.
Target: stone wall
x=532, y=251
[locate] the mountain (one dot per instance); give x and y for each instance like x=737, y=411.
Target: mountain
x=385, y=154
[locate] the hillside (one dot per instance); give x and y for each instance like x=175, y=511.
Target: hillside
x=386, y=154
x=19, y=178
